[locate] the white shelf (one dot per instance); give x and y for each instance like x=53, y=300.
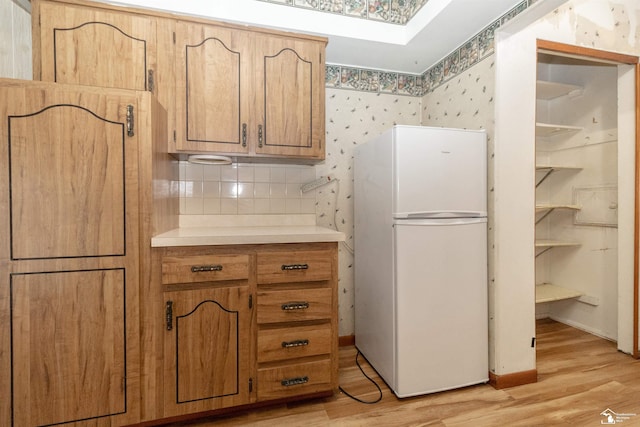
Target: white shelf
x=554, y=243
x=549, y=129
x=556, y=167
x=546, y=292
x=541, y=207
x=546, y=90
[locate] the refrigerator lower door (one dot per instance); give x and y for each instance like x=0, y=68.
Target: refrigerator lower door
x=441, y=305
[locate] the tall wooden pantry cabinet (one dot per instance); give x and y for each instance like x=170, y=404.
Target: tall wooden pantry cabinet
x=71, y=226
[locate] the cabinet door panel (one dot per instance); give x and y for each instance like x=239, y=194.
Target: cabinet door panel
x=78, y=174
x=291, y=92
x=68, y=347
x=207, y=349
x=213, y=82
x=95, y=47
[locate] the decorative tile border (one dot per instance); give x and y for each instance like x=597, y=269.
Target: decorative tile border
x=390, y=11
x=470, y=53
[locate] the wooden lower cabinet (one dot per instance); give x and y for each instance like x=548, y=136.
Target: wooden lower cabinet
x=220, y=331
x=207, y=349
x=70, y=248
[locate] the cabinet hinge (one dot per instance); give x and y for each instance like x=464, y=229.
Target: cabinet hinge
x=250, y=301
x=174, y=37
x=250, y=385
x=168, y=314
x=130, y=119
x=150, y=81
x=174, y=136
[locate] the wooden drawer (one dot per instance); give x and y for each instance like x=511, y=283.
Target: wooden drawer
x=204, y=268
x=292, y=305
x=294, y=380
x=290, y=343
x=294, y=266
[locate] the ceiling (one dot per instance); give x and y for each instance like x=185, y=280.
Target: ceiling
x=436, y=30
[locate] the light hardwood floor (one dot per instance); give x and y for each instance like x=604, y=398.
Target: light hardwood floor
x=579, y=377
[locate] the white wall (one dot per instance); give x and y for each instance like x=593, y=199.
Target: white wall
x=607, y=25
x=15, y=41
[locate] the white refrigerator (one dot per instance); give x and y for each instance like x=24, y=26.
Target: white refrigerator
x=421, y=316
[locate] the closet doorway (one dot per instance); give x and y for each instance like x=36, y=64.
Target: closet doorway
x=586, y=182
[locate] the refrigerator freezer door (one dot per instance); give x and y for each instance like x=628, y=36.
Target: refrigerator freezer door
x=438, y=170
x=441, y=299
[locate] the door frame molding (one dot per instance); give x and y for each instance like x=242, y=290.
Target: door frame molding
x=581, y=52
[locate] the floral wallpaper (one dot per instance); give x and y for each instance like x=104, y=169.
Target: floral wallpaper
x=478, y=48
x=390, y=11
x=352, y=118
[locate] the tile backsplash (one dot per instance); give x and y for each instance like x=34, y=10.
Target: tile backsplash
x=245, y=189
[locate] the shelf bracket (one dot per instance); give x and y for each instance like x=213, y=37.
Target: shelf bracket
x=542, y=251
x=545, y=215
x=546, y=175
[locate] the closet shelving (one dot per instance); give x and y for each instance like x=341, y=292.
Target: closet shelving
x=547, y=90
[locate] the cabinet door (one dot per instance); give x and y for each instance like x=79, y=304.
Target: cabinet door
x=69, y=235
x=69, y=346
x=213, y=87
x=290, y=97
x=95, y=47
x=207, y=344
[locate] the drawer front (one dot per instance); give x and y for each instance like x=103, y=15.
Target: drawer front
x=294, y=305
x=290, y=343
x=294, y=380
x=204, y=268
x=294, y=266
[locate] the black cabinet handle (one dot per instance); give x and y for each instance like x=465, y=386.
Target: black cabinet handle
x=295, y=343
x=204, y=268
x=287, y=267
x=294, y=381
x=301, y=305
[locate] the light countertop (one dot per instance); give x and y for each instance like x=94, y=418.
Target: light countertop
x=243, y=230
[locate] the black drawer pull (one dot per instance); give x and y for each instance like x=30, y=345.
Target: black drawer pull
x=294, y=381
x=204, y=268
x=295, y=266
x=296, y=343
x=302, y=305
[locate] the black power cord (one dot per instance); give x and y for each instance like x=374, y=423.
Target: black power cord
x=370, y=379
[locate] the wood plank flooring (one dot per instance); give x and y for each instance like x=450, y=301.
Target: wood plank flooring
x=579, y=377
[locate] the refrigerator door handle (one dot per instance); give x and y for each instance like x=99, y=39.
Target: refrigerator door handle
x=439, y=221
x=440, y=214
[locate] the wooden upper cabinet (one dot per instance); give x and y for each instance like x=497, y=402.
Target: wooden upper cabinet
x=291, y=97
x=248, y=93
x=213, y=82
x=96, y=45
x=227, y=89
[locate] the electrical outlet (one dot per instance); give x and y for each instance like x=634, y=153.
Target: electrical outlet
x=312, y=185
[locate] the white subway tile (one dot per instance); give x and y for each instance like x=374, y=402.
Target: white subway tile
x=245, y=190
x=261, y=206
x=262, y=173
x=246, y=206
x=211, y=206
x=229, y=206
x=229, y=173
x=261, y=190
x=193, y=206
x=211, y=172
x=292, y=175
x=192, y=189
x=245, y=173
x=229, y=190
x=308, y=206
x=293, y=191
x=278, y=174
x=277, y=206
x=211, y=189
x=278, y=191
x=194, y=172
x=292, y=206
